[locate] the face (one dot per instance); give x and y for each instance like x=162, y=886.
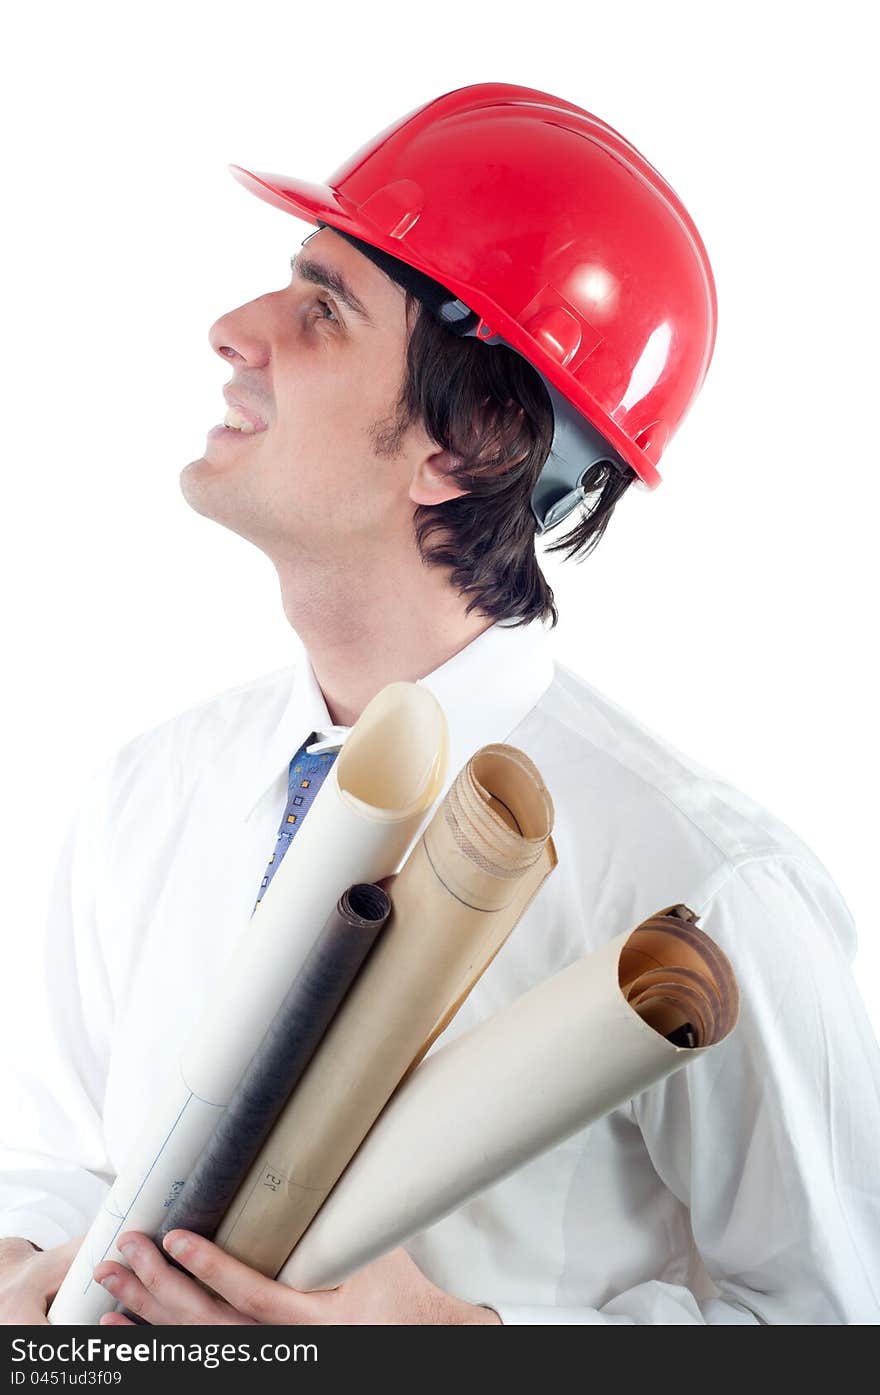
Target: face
x=326, y=470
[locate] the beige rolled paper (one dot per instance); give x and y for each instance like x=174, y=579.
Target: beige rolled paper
x=570, y=1050
x=363, y=819
x=479, y=863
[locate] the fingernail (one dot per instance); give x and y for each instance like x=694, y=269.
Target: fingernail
x=109, y=1282
x=178, y=1246
x=127, y=1249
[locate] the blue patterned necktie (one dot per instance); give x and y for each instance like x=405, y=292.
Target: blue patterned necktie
x=306, y=774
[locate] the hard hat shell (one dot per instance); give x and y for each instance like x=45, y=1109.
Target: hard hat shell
x=561, y=236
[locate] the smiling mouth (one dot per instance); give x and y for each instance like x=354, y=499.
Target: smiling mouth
x=242, y=419
x=239, y=422
x=222, y=432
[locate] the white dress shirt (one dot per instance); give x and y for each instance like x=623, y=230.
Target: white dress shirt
x=744, y=1189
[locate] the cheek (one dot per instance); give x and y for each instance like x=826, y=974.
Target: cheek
x=332, y=412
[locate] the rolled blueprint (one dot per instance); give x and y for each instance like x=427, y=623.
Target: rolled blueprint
x=278, y=1062
x=363, y=820
x=479, y=863
x=575, y=1047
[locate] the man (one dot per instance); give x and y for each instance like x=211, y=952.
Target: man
x=390, y=469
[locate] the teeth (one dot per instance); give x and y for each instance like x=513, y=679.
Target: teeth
x=238, y=422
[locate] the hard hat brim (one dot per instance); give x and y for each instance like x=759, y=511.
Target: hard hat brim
x=298, y=196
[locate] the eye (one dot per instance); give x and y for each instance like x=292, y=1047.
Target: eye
x=328, y=307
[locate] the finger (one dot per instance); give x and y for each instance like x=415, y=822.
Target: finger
x=116, y=1320
x=126, y=1287
x=264, y=1300
x=152, y=1288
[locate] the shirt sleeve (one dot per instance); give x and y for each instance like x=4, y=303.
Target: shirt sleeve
x=54, y=1169
x=770, y=1139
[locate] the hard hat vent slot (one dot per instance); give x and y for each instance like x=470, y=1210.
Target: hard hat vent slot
x=395, y=208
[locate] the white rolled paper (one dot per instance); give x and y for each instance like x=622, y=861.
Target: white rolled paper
x=358, y=829
x=570, y=1050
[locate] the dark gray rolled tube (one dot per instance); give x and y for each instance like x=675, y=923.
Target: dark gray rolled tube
x=296, y=1030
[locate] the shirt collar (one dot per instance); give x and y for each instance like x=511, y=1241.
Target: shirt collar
x=485, y=690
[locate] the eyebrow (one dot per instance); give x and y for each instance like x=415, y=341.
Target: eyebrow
x=331, y=280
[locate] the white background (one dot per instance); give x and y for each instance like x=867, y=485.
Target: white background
x=733, y=610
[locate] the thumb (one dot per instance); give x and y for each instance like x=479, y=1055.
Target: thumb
x=56, y=1263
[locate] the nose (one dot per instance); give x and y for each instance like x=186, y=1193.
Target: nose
x=240, y=335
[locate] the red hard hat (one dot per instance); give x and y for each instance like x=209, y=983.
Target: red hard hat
x=557, y=232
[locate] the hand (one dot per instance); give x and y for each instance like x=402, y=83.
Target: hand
x=390, y=1290
x=30, y=1278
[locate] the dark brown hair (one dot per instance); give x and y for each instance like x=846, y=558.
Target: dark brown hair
x=490, y=409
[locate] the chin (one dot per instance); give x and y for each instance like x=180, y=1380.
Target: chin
x=203, y=487
x=193, y=483
x=212, y=493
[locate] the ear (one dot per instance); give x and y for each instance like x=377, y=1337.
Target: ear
x=431, y=483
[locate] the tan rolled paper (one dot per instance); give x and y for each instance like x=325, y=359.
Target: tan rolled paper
x=570, y=1050
x=363, y=820
x=479, y=863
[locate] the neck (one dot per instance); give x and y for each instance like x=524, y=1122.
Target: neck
x=368, y=625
